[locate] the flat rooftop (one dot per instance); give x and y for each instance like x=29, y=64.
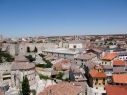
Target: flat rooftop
x=64, y=51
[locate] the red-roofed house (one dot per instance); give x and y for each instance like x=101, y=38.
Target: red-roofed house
x=107, y=60
x=63, y=89
x=118, y=63
x=119, y=79
x=116, y=90
x=98, y=78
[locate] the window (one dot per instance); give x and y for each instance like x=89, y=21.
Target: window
x=82, y=60
x=103, y=79
x=96, y=87
x=103, y=83
x=117, y=83
x=96, y=79
x=99, y=83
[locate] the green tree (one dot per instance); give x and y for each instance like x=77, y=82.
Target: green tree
x=32, y=41
x=25, y=86
x=41, y=55
x=28, y=49
x=110, y=43
x=39, y=41
x=60, y=75
x=6, y=56
x=30, y=58
x=35, y=49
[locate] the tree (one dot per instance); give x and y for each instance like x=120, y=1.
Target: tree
x=6, y=56
x=60, y=75
x=35, y=49
x=28, y=49
x=30, y=58
x=110, y=43
x=39, y=41
x=41, y=55
x=25, y=86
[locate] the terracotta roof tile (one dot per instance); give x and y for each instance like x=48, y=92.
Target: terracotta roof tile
x=49, y=57
x=21, y=58
x=61, y=89
x=86, y=56
x=22, y=65
x=109, y=56
x=1, y=93
x=116, y=90
x=97, y=74
x=119, y=78
x=118, y=62
x=59, y=64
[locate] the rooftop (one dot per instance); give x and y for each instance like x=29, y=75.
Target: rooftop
x=62, y=89
x=86, y=56
x=107, y=67
x=50, y=57
x=122, y=53
x=21, y=58
x=116, y=90
x=64, y=51
x=119, y=78
x=119, y=70
x=110, y=56
x=96, y=74
x=1, y=93
x=63, y=64
x=118, y=62
x=22, y=65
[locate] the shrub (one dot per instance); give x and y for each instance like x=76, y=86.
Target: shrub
x=33, y=92
x=6, y=56
x=60, y=75
x=44, y=76
x=41, y=55
x=39, y=41
x=30, y=58
x=47, y=65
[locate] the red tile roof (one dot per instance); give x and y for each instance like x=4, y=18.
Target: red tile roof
x=61, y=89
x=96, y=74
x=116, y=90
x=1, y=93
x=119, y=78
x=109, y=56
x=59, y=64
x=86, y=56
x=118, y=62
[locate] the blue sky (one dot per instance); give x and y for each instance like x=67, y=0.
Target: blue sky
x=23, y=18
